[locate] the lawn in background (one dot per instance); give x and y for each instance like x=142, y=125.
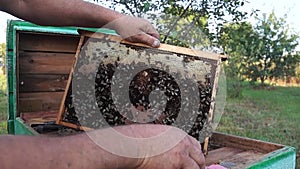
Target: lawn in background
x=3, y=104
x=270, y=114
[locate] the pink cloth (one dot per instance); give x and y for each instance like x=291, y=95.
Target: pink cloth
x=215, y=166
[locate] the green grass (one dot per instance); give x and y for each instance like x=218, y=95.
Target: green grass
x=271, y=114
x=3, y=104
x=3, y=129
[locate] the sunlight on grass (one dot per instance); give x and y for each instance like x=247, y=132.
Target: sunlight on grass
x=3, y=104
x=265, y=114
x=3, y=129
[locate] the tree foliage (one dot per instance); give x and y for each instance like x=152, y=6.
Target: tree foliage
x=179, y=20
x=2, y=51
x=237, y=40
x=209, y=8
x=266, y=51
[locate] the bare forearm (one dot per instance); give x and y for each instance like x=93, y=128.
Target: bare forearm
x=82, y=14
x=67, y=152
x=67, y=12
x=135, y=147
x=78, y=151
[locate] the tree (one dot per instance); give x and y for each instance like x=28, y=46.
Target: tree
x=238, y=40
x=277, y=57
x=266, y=51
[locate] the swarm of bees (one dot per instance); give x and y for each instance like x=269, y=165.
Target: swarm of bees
x=141, y=100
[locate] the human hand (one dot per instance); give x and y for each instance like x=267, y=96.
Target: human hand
x=135, y=29
x=148, y=146
x=186, y=154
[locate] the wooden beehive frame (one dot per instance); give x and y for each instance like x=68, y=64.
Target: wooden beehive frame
x=164, y=47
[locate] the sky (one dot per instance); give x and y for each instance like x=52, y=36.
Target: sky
x=281, y=7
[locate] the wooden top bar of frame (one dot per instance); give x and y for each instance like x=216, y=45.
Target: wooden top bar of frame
x=164, y=47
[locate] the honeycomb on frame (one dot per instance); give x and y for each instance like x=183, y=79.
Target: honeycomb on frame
x=115, y=82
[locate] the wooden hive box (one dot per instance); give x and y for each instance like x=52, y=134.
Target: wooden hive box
x=39, y=60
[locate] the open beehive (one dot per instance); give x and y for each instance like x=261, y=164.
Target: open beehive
x=39, y=61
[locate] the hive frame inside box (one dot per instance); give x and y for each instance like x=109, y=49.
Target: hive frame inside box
x=224, y=148
x=186, y=55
